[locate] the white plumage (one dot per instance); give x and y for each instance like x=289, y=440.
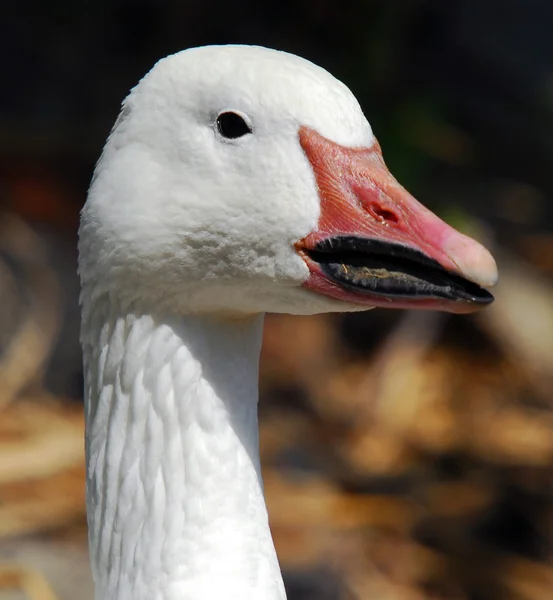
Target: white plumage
x=186, y=239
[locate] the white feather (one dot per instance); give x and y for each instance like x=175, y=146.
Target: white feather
x=184, y=231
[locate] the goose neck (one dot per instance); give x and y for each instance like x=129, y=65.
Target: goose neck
x=174, y=489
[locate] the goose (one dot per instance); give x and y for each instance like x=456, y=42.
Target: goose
x=236, y=181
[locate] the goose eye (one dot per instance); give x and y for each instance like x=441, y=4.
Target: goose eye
x=232, y=125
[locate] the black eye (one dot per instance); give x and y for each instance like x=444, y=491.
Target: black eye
x=232, y=126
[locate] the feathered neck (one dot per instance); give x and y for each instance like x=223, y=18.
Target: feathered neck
x=174, y=489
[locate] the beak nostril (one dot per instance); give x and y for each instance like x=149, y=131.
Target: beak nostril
x=384, y=215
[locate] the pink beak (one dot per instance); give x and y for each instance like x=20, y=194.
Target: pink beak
x=376, y=245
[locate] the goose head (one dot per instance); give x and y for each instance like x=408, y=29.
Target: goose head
x=241, y=179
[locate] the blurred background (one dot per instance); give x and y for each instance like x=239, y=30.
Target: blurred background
x=408, y=456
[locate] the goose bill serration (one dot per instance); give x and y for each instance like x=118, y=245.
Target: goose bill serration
x=376, y=245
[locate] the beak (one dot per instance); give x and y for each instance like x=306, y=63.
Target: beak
x=376, y=245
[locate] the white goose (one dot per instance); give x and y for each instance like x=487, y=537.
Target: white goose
x=237, y=180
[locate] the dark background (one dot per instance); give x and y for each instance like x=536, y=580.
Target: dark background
x=460, y=95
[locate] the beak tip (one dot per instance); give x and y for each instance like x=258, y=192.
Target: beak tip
x=474, y=262
x=486, y=275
